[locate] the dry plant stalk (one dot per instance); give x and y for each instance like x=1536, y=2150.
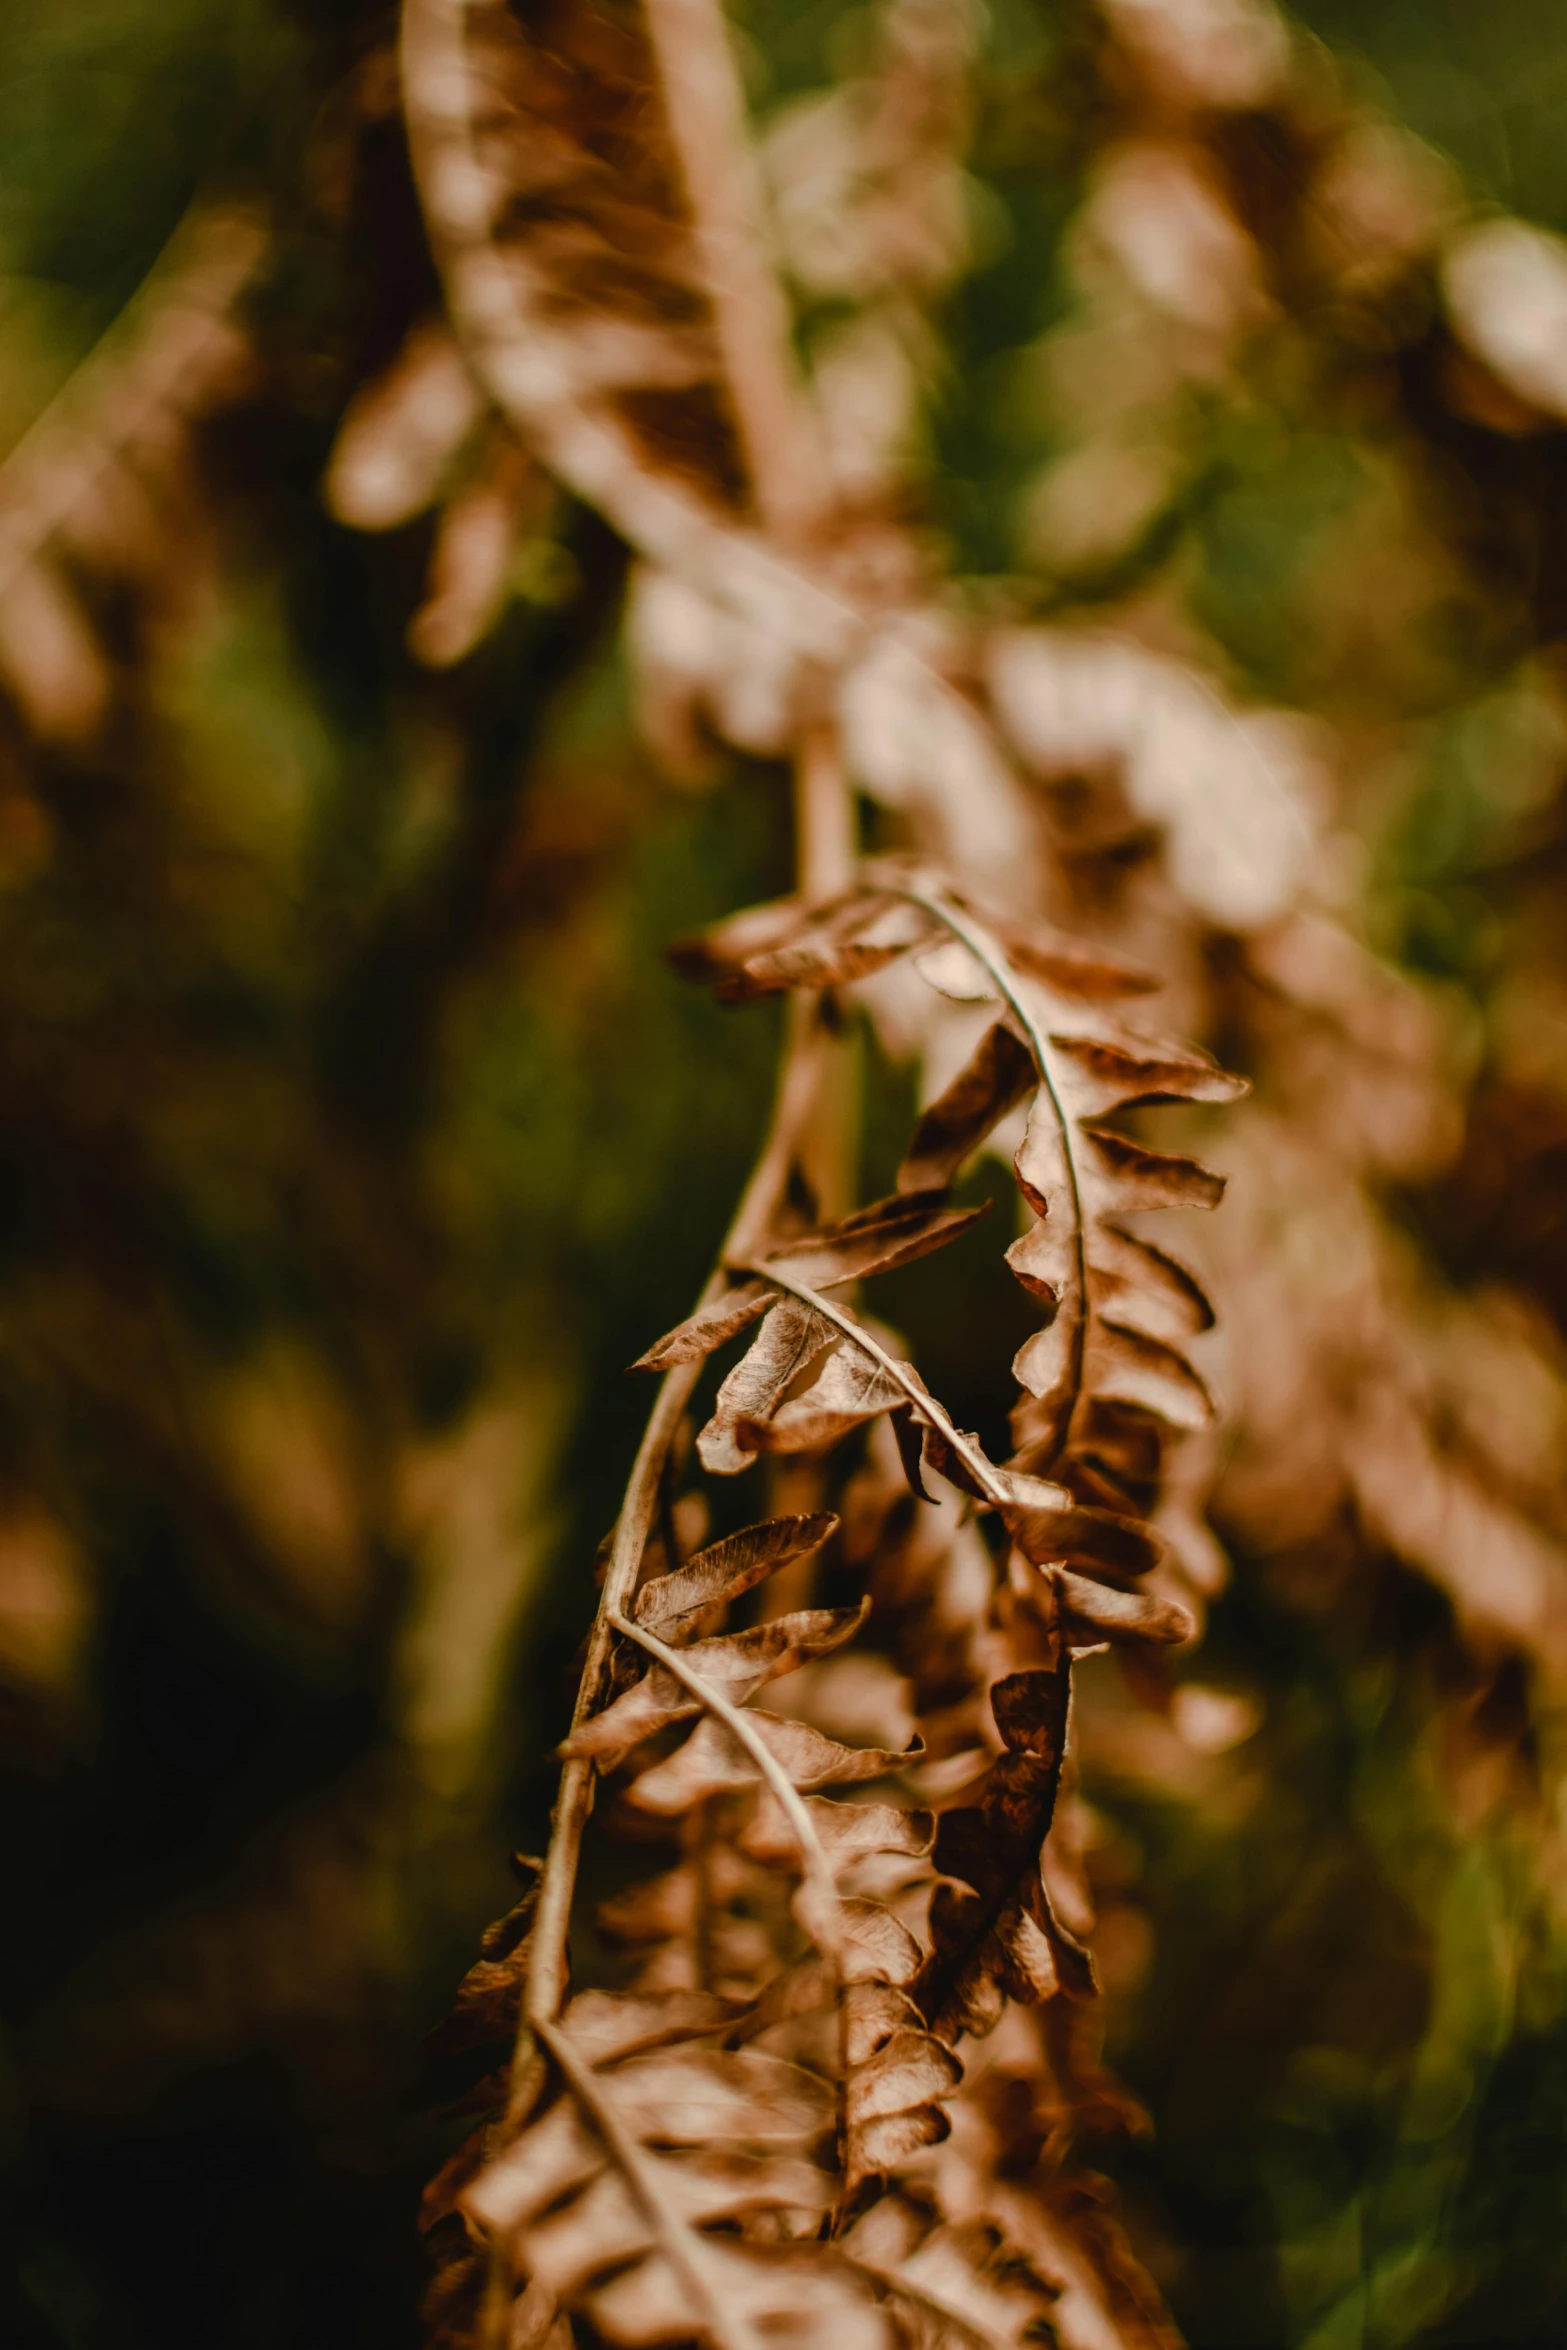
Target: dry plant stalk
x=753, y=2141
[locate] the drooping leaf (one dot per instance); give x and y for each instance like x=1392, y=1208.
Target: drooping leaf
x=1126, y=1366
x=862, y=937
x=1097, y=1283
x=670, y=1604
x=736, y=1664
x=95, y=503
x=711, y=955
x=801, y=2294
x=696, y=1926
x=959, y=2284
x=844, y=1830
x=1074, y=1175
x=1073, y=967
x=1102, y=1076
x=1100, y=1611
x=697, y=2095
x=994, y=1934
x=400, y=433
x=999, y=1076
x=877, y=1949
x=712, y=1762
x=610, y=2024
x=792, y=944
x=892, y=2105
x=489, y=1996
x=1092, y=1538
x=719, y=1320
x=554, y=197
x=790, y=1339
x=719, y=2138
x=1140, y=1283
x=875, y=1239
x=846, y=1388
x=1138, y=1178
x=766, y=1404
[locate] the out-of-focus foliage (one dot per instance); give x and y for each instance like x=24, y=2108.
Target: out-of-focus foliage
x=354, y=1131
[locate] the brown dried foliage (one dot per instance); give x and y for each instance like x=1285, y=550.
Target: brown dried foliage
x=795, y=2115
x=766, y=2173
x=780, y=2124
x=753, y=2138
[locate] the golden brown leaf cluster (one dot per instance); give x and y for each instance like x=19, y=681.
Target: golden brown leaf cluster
x=826, y=2061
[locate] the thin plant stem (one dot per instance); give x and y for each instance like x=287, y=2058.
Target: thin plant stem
x=825, y=862
x=990, y=956
x=808, y=1055
x=547, y=1960
x=827, y=850
x=544, y=1989
x=797, y=1085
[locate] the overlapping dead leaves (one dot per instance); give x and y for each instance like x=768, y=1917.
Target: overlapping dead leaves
x=738, y=2145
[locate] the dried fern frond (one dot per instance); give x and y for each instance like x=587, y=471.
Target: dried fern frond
x=838, y=1915
x=418, y=436
x=678, y=2190
x=560, y=206
x=1119, y=1311
x=87, y=494
x=906, y=1933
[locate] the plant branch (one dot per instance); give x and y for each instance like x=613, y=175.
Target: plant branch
x=825, y=860
x=798, y=1082
x=552, y=1919
x=826, y=851
x=812, y=1057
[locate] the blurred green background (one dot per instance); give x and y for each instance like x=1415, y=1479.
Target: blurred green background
x=355, y=1137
